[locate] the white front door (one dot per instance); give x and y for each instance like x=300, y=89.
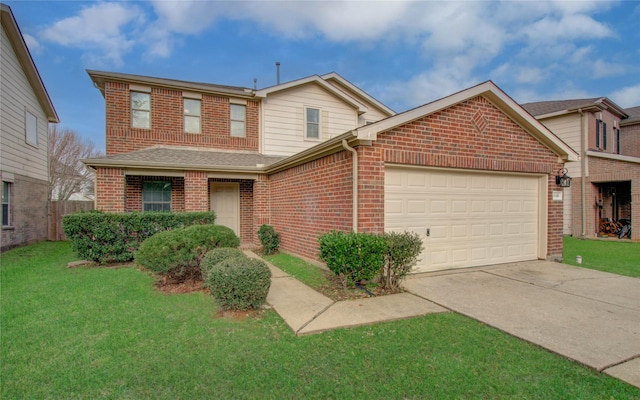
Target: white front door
x=465, y=218
x=225, y=201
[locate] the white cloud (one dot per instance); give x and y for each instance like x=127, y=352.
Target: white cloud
x=627, y=96
x=99, y=28
x=530, y=75
x=32, y=43
x=603, y=69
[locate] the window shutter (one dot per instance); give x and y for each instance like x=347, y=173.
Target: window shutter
x=618, y=141
x=597, y=133
x=604, y=135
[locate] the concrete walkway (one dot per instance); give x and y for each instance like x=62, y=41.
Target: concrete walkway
x=589, y=316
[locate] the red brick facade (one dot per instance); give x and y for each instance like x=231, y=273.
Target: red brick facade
x=630, y=140
x=167, y=122
x=314, y=198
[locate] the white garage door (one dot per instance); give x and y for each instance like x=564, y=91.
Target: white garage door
x=466, y=219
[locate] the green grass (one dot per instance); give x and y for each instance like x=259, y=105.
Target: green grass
x=619, y=257
x=306, y=273
x=91, y=333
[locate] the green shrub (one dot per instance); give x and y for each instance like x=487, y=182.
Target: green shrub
x=402, y=254
x=269, y=238
x=215, y=256
x=181, y=250
x=353, y=257
x=239, y=283
x=115, y=237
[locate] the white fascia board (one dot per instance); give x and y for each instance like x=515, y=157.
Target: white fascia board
x=354, y=88
x=315, y=79
x=616, y=157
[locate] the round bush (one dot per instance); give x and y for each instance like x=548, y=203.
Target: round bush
x=180, y=249
x=215, y=256
x=239, y=283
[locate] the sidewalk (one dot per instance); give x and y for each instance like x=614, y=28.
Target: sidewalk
x=307, y=311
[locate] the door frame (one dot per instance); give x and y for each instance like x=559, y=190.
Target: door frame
x=236, y=186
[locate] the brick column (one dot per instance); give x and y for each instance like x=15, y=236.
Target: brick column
x=261, y=202
x=196, y=191
x=110, y=189
x=370, y=189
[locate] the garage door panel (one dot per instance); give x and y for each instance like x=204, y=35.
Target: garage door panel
x=473, y=218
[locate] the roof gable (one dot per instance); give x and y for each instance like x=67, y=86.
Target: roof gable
x=21, y=50
x=544, y=109
x=493, y=94
x=353, y=89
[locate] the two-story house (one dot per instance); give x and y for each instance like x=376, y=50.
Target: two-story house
x=25, y=112
x=605, y=182
x=473, y=174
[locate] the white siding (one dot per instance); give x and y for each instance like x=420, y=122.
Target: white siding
x=567, y=128
x=16, y=97
x=283, y=118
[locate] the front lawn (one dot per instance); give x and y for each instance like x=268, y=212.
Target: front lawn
x=99, y=332
x=618, y=256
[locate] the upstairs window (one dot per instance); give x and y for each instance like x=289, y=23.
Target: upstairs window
x=156, y=196
x=192, y=116
x=601, y=134
x=140, y=110
x=312, y=123
x=617, y=140
x=598, y=140
x=238, y=116
x=6, y=204
x=31, y=128
x=604, y=135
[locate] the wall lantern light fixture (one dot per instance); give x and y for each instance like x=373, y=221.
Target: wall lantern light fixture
x=562, y=179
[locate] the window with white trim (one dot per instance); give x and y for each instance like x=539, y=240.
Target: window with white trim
x=6, y=204
x=140, y=110
x=311, y=123
x=191, y=115
x=156, y=196
x=617, y=140
x=238, y=116
x=31, y=128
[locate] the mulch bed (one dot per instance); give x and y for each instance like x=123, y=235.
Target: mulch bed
x=336, y=291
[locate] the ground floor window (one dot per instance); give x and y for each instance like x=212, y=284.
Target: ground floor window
x=156, y=196
x=6, y=204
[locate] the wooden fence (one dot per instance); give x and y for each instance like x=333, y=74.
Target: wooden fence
x=58, y=209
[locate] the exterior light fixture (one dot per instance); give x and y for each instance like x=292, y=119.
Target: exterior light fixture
x=562, y=179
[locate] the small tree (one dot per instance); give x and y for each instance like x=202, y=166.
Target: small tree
x=402, y=254
x=67, y=174
x=269, y=238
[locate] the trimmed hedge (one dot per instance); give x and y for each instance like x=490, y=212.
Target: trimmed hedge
x=180, y=249
x=215, y=256
x=354, y=257
x=115, y=237
x=239, y=283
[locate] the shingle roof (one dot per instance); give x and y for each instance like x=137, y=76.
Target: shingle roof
x=170, y=157
x=547, y=107
x=634, y=115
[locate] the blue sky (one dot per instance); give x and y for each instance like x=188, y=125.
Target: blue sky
x=403, y=53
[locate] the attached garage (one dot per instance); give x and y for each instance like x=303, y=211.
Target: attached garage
x=467, y=218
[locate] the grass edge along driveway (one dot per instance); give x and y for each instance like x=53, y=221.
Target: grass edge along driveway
x=106, y=333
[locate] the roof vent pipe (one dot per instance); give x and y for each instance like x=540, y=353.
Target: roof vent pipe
x=278, y=72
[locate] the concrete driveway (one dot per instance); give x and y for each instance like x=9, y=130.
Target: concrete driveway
x=589, y=316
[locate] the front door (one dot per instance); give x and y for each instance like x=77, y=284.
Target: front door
x=225, y=201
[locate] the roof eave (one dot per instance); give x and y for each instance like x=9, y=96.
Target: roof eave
x=102, y=163
x=99, y=77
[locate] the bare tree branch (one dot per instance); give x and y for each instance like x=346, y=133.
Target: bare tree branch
x=67, y=174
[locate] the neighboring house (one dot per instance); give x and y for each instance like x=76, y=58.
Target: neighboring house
x=606, y=181
x=25, y=111
x=473, y=174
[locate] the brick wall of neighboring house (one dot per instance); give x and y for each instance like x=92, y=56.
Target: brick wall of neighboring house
x=630, y=140
x=28, y=208
x=314, y=198
x=167, y=122
x=311, y=199
x=133, y=192
x=475, y=135
x=602, y=171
